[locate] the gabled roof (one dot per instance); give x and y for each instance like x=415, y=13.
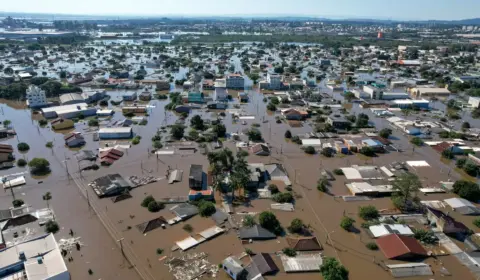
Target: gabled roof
x=264, y=263
x=255, y=232
x=396, y=246
x=448, y=220
x=184, y=210
x=6, y=149
x=151, y=225
x=304, y=244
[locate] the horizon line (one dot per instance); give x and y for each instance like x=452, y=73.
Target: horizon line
x=251, y=16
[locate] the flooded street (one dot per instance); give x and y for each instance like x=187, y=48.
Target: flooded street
x=100, y=222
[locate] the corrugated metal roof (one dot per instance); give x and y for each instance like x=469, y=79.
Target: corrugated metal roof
x=302, y=263
x=410, y=270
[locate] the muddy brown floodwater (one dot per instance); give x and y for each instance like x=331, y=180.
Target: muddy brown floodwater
x=100, y=222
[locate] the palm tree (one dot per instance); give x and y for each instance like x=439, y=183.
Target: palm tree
x=47, y=196
x=240, y=176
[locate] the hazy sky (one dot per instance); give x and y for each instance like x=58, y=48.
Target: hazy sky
x=384, y=9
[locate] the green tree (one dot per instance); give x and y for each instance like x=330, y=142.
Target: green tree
x=197, y=122
x=269, y=221
x=51, y=227
x=240, y=174
x=465, y=125
x=385, y=133
x=406, y=187
x=296, y=226
x=288, y=134
x=285, y=197
x=177, y=131
x=93, y=122
x=289, y=252
x=39, y=165
x=425, y=236
x=347, y=223
x=254, y=135
x=327, y=152
x=367, y=151
x=17, y=203
x=248, y=221
x=460, y=162
x=155, y=206
x=47, y=197
x=368, y=212
x=466, y=189
x=322, y=184
x=254, y=77
x=147, y=200
x=448, y=154
x=207, y=209
x=470, y=168
x=271, y=107
x=476, y=222
x=331, y=269
x=23, y=147
x=416, y=141
x=309, y=150
x=362, y=120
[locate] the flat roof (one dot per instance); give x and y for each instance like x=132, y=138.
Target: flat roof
x=69, y=107
x=115, y=130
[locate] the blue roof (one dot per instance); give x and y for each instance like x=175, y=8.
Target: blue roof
x=371, y=142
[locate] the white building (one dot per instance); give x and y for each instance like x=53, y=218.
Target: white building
x=274, y=81
x=373, y=92
x=386, y=229
x=474, y=101
x=115, y=133
x=36, y=259
x=221, y=92
x=69, y=111
x=394, y=95
x=36, y=97
x=235, y=81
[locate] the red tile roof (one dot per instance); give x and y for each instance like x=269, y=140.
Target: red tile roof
x=440, y=147
x=396, y=246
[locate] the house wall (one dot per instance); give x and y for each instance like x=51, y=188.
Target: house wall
x=4, y=157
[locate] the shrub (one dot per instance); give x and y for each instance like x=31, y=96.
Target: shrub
x=467, y=190
x=49, y=144
x=39, y=166
x=289, y=252
x=159, y=251
x=416, y=141
x=368, y=212
x=157, y=145
x=288, y=134
x=21, y=162
x=155, y=206
x=147, y=200
x=460, y=162
x=136, y=140
x=331, y=269
x=347, y=223
x=385, y=133
x=17, y=203
x=42, y=122
x=367, y=151
x=93, y=122
x=476, y=222
x=285, y=197
x=248, y=221
x=296, y=226
x=269, y=221
x=372, y=246
x=322, y=184
x=188, y=228
x=327, y=152
x=338, y=171
x=273, y=188
x=447, y=153
x=23, y=147
x=248, y=251
x=207, y=208
x=470, y=168
x=309, y=150
x=425, y=236
x=52, y=227
x=271, y=107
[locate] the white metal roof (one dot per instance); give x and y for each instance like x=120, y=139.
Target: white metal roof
x=418, y=163
x=456, y=202
x=302, y=263
x=115, y=130
x=351, y=173
x=385, y=229
x=70, y=107
x=187, y=243
x=311, y=142
x=410, y=269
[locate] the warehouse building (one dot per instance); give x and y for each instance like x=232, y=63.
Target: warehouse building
x=71, y=98
x=69, y=111
x=115, y=133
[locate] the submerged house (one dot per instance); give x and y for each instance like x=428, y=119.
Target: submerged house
x=195, y=177
x=447, y=224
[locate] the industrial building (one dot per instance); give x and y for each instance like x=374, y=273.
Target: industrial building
x=71, y=98
x=69, y=111
x=235, y=81
x=115, y=133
